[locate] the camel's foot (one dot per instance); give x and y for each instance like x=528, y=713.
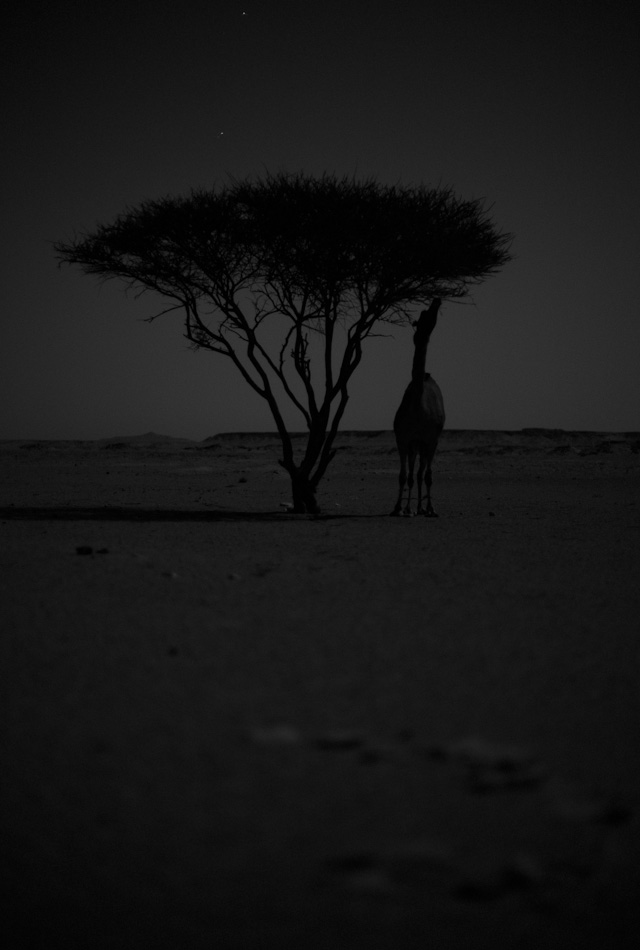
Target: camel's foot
x=429, y=512
x=301, y=509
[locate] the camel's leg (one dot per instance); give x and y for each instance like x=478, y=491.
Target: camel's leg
x=412, y=462
x=402, y=479
x=429, y=512
x=421, y=467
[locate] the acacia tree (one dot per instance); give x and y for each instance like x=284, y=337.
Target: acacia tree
x=307, y=257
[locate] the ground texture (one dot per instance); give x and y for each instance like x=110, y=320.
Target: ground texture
x=226, y=726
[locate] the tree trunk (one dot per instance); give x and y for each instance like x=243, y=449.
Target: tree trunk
x=304, y=494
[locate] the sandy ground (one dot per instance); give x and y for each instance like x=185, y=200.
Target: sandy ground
x=225, y=726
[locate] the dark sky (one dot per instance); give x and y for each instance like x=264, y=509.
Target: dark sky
x=532, y=106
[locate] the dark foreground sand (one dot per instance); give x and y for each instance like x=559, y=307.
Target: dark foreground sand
x=227, y=727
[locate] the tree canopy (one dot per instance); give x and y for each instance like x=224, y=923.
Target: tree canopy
x=322, y=254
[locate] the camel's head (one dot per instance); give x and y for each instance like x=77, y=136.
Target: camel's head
x=428, y=318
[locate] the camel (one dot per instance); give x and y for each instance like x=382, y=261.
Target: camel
x=419, y=419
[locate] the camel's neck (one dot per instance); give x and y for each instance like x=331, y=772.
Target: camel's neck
x=421, y=342
x=424, y=329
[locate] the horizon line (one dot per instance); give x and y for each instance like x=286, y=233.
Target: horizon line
x=297, y=434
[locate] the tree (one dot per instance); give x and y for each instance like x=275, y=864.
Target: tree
x=268, y=271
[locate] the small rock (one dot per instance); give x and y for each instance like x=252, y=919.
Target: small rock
x=524, y=871
x=340, y=740
x=490, y=778
x=583, y=808
x=422, y=863
x=84, y=549
x=479, y=887
x=374, y=882
x=280, y=735
x=371, y=755
x=406, y=735
x=492, y=766
x=361, y=874
x=350, y=863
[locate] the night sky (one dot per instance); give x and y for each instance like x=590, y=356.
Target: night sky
x=532, y=106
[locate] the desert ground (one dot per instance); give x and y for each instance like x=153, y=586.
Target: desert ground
x=226, y=726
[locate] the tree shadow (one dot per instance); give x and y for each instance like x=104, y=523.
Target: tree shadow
x=112, y=513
